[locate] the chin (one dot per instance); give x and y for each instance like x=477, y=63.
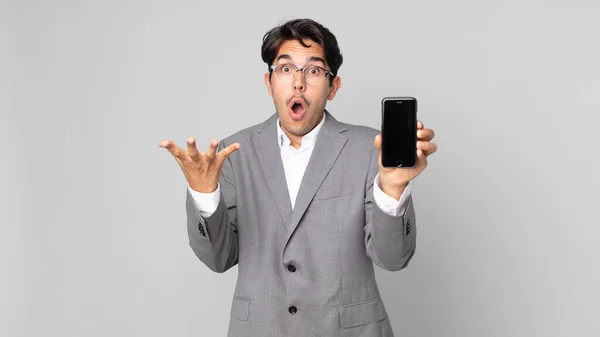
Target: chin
x=296, y=130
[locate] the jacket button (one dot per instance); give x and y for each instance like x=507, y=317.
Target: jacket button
x=293, y=310
x=291, y=268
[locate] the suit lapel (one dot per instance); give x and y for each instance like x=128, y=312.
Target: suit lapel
x=269, y=156
x=328, y=146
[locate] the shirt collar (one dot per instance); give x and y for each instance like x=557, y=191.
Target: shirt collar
x=307, y=140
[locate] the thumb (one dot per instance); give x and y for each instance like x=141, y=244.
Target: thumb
x=377, y=142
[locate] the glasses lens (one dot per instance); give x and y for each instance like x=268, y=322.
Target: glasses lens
x=313, y=75
x=285, y=73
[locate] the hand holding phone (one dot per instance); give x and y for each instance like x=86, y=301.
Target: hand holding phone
x=399, y=132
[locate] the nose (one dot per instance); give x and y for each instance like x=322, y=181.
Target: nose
x=299, y=80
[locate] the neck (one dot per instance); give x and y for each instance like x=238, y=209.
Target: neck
x=296, y=141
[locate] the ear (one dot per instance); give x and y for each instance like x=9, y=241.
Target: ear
x=335, y=86
x=268, y=84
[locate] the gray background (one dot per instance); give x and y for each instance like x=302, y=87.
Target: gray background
x=93, y=239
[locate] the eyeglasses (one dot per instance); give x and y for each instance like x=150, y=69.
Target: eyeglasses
x=313, y=75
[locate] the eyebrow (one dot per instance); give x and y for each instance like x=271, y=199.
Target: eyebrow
x=310, y=59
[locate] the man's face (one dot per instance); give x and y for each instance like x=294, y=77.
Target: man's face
x=300, y=106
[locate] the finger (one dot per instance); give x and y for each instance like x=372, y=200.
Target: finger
x=425, y=134
x=420, y=125
x=172, y=148
x=377, y=142
x=223, y=154
x=192, y=149
x=427, y=147
x=212, y=150
x=421, y=159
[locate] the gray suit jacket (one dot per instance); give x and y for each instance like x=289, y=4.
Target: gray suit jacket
x=306, y=271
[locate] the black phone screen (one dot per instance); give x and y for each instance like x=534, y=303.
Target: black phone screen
x=399, y=132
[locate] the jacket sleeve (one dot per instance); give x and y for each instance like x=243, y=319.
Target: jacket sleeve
x=214, y=239
x=390, y=241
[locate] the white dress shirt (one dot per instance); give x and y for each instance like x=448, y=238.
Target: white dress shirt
x=294, y=164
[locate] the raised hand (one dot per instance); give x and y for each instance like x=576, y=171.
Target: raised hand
x=202, y=170
x=394, y=180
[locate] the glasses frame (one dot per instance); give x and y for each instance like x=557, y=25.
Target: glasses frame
x=274, y=67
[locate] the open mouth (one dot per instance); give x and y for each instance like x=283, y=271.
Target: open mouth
x=297, y=109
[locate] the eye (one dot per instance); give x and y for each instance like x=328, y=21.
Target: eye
x=285, y=68
x=313, y=71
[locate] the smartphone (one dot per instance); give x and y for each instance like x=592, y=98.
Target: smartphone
x=399, y=132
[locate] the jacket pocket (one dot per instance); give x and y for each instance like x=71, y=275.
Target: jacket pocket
x=240, y=308
x=361, y=313
x=331, y=195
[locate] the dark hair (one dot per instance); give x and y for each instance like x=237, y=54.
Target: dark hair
x=300, y=29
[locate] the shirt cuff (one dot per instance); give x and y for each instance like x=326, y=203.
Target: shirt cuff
x=206, y=203
x=387, y=204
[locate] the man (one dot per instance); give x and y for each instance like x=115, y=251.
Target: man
x=301, y=202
